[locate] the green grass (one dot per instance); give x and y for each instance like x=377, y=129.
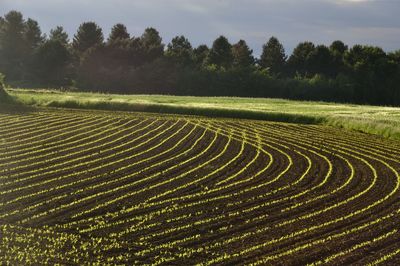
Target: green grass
x=378, y=120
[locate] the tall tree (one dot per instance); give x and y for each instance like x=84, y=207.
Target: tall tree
x=12, y=44
x=338, y=50
x=370, y=67
x=33, y=39
x=53, y=58
x=59, y=34
x=321, y=61
x=200, y=54
x=152, y=44
x=242, y=55
x=33, y=35
x=273, y=56
x=394, y=58
x=220, y=53
x=118, y=31
x=137, y=53
x=89, y=34
x=338, y=46
x=300, y=58
x=180, y=50
x=51, y=62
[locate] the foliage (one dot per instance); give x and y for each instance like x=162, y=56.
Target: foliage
x=373, y=73
x=273, y=56
x=125, y=64
x=299, y=61
x=180, y=50
x=152, y=44
x=118, y=31
x=18, y=41
x=220, y=53
x=242, y=55
x=200, y=54
x=33, y=35
x=338, y=47
x=60, y=35
x=89, y=35
x=52, y=60
x=320, y=61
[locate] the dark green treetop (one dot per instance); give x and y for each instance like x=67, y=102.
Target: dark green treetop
x=273, y=56
x=89, y=34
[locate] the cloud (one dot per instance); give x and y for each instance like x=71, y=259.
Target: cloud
x=292, y=21
x=353, y=1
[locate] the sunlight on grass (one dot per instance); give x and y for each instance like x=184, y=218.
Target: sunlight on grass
x=379, y=120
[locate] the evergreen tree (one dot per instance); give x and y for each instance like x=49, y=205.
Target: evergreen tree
x=338, y=50
x=242, y=55
x=152, y=44
x=118, y=31
x=137, y=53
x=394, y=58
x=338, y=47
x=321, y=61
x=299, y=61
x=180, y=50
x=273, y=56
x=220, y=53
x=372, y=70
x=200, y=54
x=33, y=37
x=12, y=45
x=60, y=35
x=89, y=34
x=51, y=62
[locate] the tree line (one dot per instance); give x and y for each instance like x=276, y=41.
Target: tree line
x=127, y=64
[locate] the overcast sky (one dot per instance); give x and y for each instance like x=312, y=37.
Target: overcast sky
x=375, y=22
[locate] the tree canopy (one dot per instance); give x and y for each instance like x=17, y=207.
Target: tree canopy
x=128, y=64
x=273, y=56
x=220, y=53
x=118, y=31
x=180, y=50
x=60, y=35
x=242, y=55
x=89, y=34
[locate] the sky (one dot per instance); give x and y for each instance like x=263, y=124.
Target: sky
x=373, y=22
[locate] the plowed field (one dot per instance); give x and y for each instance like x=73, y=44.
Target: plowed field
x=85, y=187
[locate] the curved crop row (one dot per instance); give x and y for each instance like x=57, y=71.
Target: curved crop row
x=82, y=187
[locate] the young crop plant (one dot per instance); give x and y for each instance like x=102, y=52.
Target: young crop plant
x=117, y=188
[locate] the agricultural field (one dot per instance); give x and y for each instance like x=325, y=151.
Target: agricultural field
x=81, y=187
x=380, y=120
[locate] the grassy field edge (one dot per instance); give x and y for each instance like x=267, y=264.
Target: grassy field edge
x=367, y=119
